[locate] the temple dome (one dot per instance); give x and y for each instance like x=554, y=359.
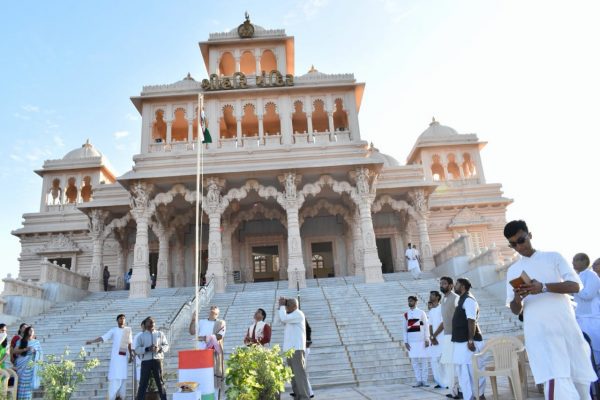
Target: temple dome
x=437, y=131
x=85, y=151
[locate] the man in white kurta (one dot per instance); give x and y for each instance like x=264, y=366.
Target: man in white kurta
x=210, y=333
x=119, y=357
x=416, y=341
x=558, y=354
x=587, y=314
x=435, y=347
x=294, y=337
x=412, y=260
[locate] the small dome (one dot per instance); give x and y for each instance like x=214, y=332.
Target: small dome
x=390, y=161
x=437, y=131
x=85, y=151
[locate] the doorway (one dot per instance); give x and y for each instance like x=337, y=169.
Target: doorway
x=265, y=263
x=322, y=259
x=384, y=251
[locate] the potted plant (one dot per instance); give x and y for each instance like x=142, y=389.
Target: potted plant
x=257, y=373
x=60, y=376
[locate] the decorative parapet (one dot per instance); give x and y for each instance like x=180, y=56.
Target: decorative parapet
x=185, y=84
x=259, y=32
x=489, y=256
x=321, y=77
x=54, y=273
x=19, y=287
x=503, y=267
x=461, y=246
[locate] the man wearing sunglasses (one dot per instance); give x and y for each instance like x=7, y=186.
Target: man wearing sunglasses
x=558, y=354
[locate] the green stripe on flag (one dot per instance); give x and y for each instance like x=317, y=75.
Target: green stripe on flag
x=209, y=396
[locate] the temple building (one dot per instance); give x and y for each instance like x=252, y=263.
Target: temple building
x=291, y=190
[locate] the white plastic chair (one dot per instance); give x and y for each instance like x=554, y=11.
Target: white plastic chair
x=505, y=351
x=5, y=375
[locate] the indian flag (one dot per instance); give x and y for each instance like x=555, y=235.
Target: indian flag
x=197, y=366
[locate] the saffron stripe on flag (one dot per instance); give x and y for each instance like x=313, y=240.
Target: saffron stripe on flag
x=195, y=359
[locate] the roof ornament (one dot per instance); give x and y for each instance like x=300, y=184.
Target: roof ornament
x=433, y=121
x=188, y=77
x=312, y=69
x=246, y=30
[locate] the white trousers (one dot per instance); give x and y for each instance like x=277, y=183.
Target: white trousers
x=416, y=272
x=421, y=368
x=117, y=387
x=449, y=369
x=566, y=389
x=436, y=371
x=306, y=353
x=465, y=380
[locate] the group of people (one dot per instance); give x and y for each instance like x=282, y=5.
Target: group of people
x=559, y=305
x=22, y=354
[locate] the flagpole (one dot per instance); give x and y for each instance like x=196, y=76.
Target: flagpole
x=199, y=193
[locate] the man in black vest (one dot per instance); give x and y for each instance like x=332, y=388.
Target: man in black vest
x=467, y=338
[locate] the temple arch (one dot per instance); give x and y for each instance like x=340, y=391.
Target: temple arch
x=452, y=167
x=268, y=62
x=227, y=123
x=179, y=128
x=271, y=121
x=159, y=127
x=468, y=166
x=55, y=193
x=249, y=121
x=437, y=170
x=248, y=63
x=320, y=120
x=71, y=191
x=299, y=122
x=227, y=64
x=340, y=116
x=86, y=189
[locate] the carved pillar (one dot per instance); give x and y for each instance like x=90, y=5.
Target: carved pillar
x=96, y=226
x=366, y=195
x=162, y=273
x=292, y=201
x=258, y=65
x=141, y=212
x=357, y=247
x=227, y=252
x=190, y=136
x=239, y=131
x=179, y=270
x=214, y=207
x=169, y=128
x=310, y=127
x=331, y=129
x=420, y=204
x=261, y=129
x=122, y=248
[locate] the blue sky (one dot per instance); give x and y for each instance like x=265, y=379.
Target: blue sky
x=522, y=75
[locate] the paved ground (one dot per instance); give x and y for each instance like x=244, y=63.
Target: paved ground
x=406, y=392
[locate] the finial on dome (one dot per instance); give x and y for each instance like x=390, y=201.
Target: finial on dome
x=188, y=77
x=433, y=121
x=87, y=143
x=247, y=16
x=312, y=68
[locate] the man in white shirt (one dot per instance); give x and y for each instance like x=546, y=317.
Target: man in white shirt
x=467, y=339
x=588, y=317
x=294, y=337
x=435, y=347
x=412, y=260
x=117, y=369
x=416, y=340
x=558, y=354
x=211, y=334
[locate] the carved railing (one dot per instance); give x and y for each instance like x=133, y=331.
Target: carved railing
x=489, y=256
x=321, y=77
x=19, y=287
x=259, y=32
x=50, y=272
x=461, y=246
x=461, y=182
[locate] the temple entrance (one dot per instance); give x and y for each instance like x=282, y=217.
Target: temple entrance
x=153, y=267
x=384, y=251
x=265, y=263
x=203, y=267
x=322, y=260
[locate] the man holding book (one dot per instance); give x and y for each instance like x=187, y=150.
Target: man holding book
x=538, y=285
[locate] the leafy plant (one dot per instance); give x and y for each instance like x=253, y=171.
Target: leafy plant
x=257, y=373
x=60, y=376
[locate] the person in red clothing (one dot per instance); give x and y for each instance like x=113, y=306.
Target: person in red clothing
x=14, y=340
x=259, y=332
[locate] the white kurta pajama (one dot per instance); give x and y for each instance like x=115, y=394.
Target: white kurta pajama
x=555, y=345
x=413, y=262
x=416, y=332
x=587, y=314
x=117, y=369
x=435, y=351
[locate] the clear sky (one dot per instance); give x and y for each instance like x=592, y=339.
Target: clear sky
x=523, y=75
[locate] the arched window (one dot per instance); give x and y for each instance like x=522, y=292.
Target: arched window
x=271, y=122
x=268, y=62
x=159, y=127
x=320, y=120
x=249, y=121
x=248, y=63
x=453, y=169
x=340, y=116
x=260, y=263
x=318, y=262
x=55, y=193
x=195, y=125
x=86, y=189
x=71, y=191
x=299, y=123
x=228, y=123
x=179, y=128
x=468, y=166
x=227, y=64
x=437, y=170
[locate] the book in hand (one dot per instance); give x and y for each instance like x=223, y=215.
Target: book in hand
x=522, y=279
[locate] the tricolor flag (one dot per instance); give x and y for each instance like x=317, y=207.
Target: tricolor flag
x=205, y=133
x=198, y=366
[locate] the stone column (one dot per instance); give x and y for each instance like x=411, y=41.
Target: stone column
x=365, y=197
x=163, y=234
x=191, y=131
x=292, y=201
x=419, y=201
x=310, y=126
x=359, y=269
x=239, y=131
x=122, y=247
x=261, y=129
x=331, y=126
x=258, y=64
x=179, y=270
x=169, y=128
x=214, y=207
x=141, y=211
x=227, y=252
x=96, y=226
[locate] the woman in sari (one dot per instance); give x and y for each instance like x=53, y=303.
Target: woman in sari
x=27, y=351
